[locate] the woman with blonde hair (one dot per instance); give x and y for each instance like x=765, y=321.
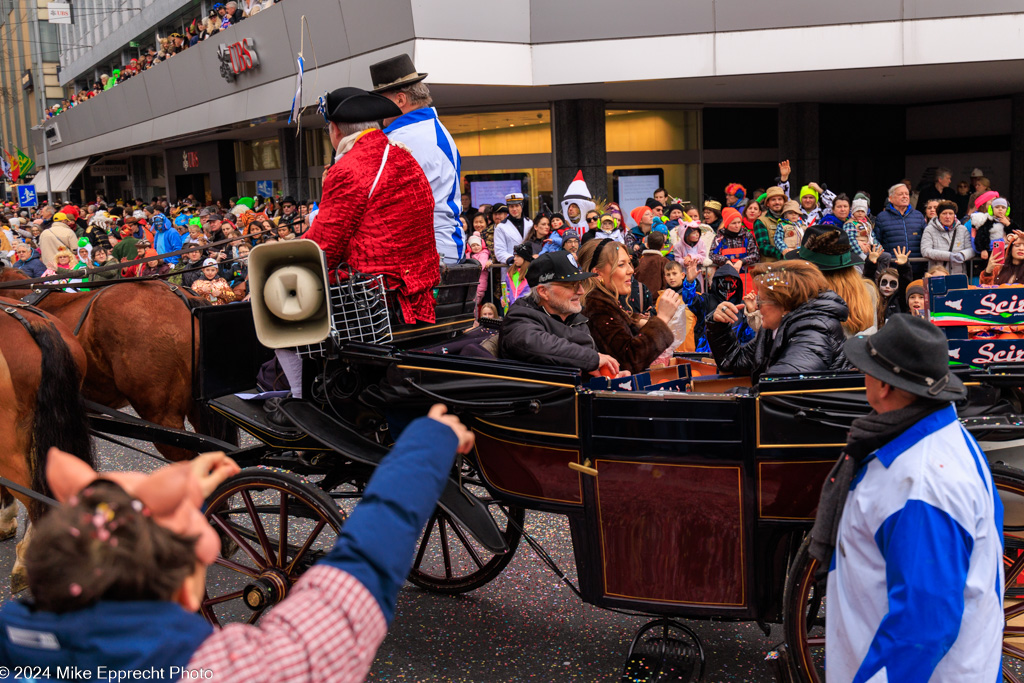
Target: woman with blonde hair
x=829, y=248
x=631, y=339
x=801, y=325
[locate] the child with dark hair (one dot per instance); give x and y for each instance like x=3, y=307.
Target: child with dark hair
x=892, y=278
x=652, y=263
x=119, y=570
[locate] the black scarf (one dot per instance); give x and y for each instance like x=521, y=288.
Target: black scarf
x=518, y=222
x=867, y=434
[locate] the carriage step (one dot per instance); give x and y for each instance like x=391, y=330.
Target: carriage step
x=664, y=651
x=339, y=437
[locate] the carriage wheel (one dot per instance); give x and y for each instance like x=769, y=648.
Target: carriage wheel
x=804, y=598
x=273, y=527
x=448, y=559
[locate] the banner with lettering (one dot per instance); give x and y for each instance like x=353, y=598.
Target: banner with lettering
x=978, y=352
x=995, y=306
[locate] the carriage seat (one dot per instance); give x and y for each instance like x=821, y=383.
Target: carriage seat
x=454, y=309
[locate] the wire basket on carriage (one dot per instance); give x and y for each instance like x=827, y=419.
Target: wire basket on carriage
x=359, y=313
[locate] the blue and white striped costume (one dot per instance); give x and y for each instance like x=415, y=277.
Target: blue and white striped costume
x=433, y=147
x=915, y=591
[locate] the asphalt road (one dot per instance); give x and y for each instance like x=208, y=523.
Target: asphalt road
x=523, y=626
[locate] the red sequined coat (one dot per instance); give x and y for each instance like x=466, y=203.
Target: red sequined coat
x=390, y=232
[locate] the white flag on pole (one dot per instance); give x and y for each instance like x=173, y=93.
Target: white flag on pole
x=297, y=100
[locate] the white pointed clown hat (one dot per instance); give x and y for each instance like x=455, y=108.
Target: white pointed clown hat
x=579, y=194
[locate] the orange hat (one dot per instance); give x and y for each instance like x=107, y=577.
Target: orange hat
x=638, y=213
x=915, y=287
x=729, y=214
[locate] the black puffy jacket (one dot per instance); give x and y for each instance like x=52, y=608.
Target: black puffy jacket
x=529, y=334
x=810, y=339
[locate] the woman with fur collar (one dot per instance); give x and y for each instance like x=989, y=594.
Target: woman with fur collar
x=632, y=340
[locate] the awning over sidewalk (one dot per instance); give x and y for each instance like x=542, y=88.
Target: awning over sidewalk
x=61, y=175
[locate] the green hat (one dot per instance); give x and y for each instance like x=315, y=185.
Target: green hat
x=247, y=201
x=195, y=221
x=83, y=241
x=807, y=189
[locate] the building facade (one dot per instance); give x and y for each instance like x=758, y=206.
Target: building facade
x=19, y=71
x=690, y=95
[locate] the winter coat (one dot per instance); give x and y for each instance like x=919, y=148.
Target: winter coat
x=482, y=257
x=810, y=339
x=167, y=238
x=938, y=245
x=650, y=270
x=529, y=334
x=681, y=249
x=32, y=266
x=764, y=234
x=729, y=247
x=986, y=229
x=726, y=285
x=507, y=237
x=616, y=334
x=900, y=230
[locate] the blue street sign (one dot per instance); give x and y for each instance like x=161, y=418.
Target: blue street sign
x=27, y=197
x=265, y=188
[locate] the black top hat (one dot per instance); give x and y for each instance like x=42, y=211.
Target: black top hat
x=352, y=105
x=909, y=353
x=396, y=72
x=555, y=266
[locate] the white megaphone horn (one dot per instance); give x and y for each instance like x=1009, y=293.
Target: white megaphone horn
x=288, y=291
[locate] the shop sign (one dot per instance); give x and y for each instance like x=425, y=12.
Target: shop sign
x=237, y=58
x=59, y=12
x=99, y=170
x=190, y=160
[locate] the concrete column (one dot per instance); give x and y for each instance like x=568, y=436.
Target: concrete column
x=578, y=142
x=800, y=141
x=1016, y=189
x=137, y=173
x=294, y=165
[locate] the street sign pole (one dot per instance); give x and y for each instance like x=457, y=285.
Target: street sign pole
x=41, y=87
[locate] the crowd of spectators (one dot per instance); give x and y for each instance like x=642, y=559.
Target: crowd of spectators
x=738, y=265
x=219, y=18
x=76, y=243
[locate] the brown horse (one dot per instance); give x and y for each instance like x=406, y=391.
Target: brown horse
x=41, y=370
x=138, y=340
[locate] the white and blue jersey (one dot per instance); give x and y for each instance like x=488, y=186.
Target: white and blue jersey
x=433, y=147
x=915, y=591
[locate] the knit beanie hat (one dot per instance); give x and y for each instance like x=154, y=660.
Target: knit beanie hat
x=808, y=190
x=915, y=287
x=985, y=198
x=860, y=205
x=946, y=205
x=638, y=213
x=652, y=203
x=1000, y=201
x=729, y=214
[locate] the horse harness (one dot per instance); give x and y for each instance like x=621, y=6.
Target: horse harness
x=12, y=309
x=33, y=298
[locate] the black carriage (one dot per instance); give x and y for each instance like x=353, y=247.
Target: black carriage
x=688, y=494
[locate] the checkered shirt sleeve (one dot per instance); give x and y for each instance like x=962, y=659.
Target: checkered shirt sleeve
x=327, y=629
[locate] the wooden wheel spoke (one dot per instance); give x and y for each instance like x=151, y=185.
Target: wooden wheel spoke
x=1013, y=569
x=424, y=543
x=282, y=530
x=235, y=567
x=1013, y=632
x=469, y=547
x=445, y=552
x=1013, y=611
x=1013, y=651
x=1010, y=677
x=210, y=602
x=255, y=615
x=305, y=546
x=233, y=534
x=816, y=642
x=257, y=524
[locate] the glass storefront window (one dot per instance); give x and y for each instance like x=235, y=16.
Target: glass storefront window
x=258, y=155
x=681, y=181
x=505, y=132
x=629, y=130
x=318, y=148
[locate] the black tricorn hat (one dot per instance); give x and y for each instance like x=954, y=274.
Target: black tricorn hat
x=396, y=72
x=909, y=353
x=352, y=105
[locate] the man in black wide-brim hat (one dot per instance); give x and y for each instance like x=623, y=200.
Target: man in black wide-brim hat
x=419, y=129
x=909, y=524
